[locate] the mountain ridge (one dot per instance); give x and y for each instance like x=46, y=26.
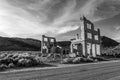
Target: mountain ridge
x=29, y=44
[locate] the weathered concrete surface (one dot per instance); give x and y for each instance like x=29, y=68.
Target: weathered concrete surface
x=89, y=37
x=104, y=71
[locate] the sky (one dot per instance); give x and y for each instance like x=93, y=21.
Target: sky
x=57, y=18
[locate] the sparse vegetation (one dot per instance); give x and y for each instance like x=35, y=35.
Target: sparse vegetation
x=76, y=60
x=19, y=60
x=15, y=58
x=111, y=52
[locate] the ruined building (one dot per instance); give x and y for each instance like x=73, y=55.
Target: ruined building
x=87, y=42
x=48, y=44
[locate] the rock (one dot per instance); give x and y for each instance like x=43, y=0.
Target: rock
x=77, y=60
x=68, y=60
x=72, y=55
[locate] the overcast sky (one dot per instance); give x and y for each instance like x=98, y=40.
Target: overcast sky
x=59, y=18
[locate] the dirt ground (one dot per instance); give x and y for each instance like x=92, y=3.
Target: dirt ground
x=94, y=71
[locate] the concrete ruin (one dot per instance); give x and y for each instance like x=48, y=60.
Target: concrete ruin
x=48, y=44
x=87, y=42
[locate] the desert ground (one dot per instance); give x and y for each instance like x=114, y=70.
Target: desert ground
x=94, y=71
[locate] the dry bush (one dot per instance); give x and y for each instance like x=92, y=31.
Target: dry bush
x=11, y=65
x=3, y=67
x=68, y=60
x=76, y=60
x=112, y=51
x=19, y=60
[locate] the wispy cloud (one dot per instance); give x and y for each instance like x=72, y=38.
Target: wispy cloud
x=66, y=29
x=117, y=28
x=19, y=21
x=25, y=18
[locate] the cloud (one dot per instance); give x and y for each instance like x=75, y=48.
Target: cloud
x=15, y=23
x=27, y=18
x=67, y=29
x=107, y=9
x=117, y=37
x=117, y=28
x=20, y=22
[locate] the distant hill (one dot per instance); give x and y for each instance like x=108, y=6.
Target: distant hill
x=105, y=42
x=108, y=42
x=64, y=44
x=19, y=44
x=29, y=44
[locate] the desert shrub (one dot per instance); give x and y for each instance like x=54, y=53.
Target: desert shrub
x=77, y=60
x=19, y=60
x=72, y=55
x=28, y=60
x=15, y=60
x=3, y=67
x=11, y=65
x=6, y=60
x=111, y=51
x=89, y=60
x=3, y=55
x=15, y=55
x=101, y=59
x=83, y=60
x=23, y=55
x=38, y=60
x=68, y=60
x=24, y=62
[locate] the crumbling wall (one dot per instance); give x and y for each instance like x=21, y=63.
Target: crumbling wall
x=88, y=37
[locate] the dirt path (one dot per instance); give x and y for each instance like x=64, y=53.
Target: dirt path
x=96, y=71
